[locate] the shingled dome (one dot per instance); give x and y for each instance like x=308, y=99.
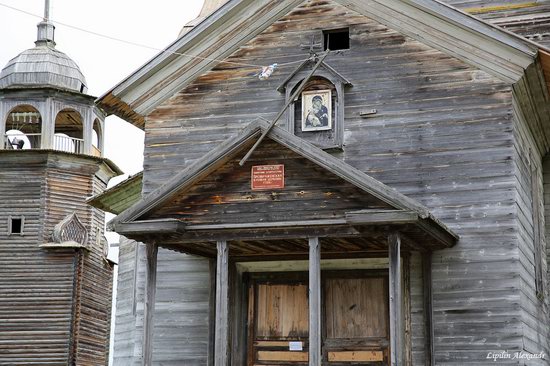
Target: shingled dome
x=41, y=67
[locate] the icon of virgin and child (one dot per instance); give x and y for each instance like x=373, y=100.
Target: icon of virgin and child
x=316, y=113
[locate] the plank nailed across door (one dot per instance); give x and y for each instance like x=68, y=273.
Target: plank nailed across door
x=356, y=356
x=314, y=302
x=222, y=305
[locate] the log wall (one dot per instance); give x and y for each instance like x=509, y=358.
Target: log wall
x=54, y=303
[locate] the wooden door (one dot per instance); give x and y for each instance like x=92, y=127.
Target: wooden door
x=278, y=331
x=356, y=326
x=355, y=320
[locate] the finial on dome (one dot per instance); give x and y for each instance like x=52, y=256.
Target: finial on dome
x=46, y=29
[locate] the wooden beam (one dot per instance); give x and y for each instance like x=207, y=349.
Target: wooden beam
x=381, y=217
x=151, y=251
x=396, y=328
x=428, y=317
x=407, y=311
x=221, y=341
x=314, y=302
x=144, y=227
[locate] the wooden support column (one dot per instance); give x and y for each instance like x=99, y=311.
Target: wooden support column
x=221, y=342
x=428, y=317
x=314, y=302
x=396, y=327
x=150, y=293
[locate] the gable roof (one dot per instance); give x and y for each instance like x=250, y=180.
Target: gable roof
x=488, y=47
x=226, y=151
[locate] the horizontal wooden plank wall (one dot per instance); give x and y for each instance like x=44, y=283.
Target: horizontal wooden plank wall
x=57, y=302
x=126, y=336
x=442, y=135
x=36, y=287
x=527, y=18
x=529, y=167
x=310, y=193
x=418, y=337
x=95, y=292
x=181, y=309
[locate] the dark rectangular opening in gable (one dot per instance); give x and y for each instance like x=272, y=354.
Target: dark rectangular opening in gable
x=336, y=39
x=16, y=226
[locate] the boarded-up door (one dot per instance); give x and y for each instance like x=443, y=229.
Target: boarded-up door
x=280, y=324
x=356, y=323
x=355, y=320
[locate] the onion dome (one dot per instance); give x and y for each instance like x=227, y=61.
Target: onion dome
x=43, y=66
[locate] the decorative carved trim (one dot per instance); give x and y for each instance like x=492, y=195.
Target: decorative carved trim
x=69, y=232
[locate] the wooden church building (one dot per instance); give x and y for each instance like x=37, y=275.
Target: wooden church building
x=339, y=182
x=55, y=279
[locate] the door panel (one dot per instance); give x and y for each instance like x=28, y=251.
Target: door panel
x=281, y=325
x=355, y=320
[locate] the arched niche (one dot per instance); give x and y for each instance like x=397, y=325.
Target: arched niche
x=69, y=131
x=325, y=129
x=23, y=128
x=97, y=138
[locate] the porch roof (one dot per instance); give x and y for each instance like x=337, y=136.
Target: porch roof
x=359, y=226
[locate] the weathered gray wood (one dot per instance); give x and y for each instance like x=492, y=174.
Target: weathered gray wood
x=150, y=226
x=440, y=26
x=428, y=313
x=221, y=338
x=290, y=100
x=212, y=312
x=149, y=308
x=407, y=320
x=381, y=217
x=314, y=302
x=395, y=293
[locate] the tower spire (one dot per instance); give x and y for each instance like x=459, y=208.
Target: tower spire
x=46, y=29
x=47, y=11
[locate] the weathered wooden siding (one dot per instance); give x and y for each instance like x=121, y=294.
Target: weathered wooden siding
x=418, y=336
x=529, y=167
x=530, y=19
x=36, y=286
x=95, y=298
x=546, y=182
x=443, y=134
x=181, y=308
x=309, y=193
x=55, y=304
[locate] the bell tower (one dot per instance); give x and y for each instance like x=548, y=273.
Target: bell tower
x=55, y=278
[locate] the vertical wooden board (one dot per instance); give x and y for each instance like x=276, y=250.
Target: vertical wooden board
x=356, y=308
x=149, y=309
x=221, y=337
x=395, y=294
x=282, y=311
x=314, y=302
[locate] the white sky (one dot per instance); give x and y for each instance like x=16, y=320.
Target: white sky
x=104, y=62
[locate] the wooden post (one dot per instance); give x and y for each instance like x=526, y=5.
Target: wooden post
x=150, y=292
x=396, y=328
x=428, y=317
x=314, y=302
x=222, y=306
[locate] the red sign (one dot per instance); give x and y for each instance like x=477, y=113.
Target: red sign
x=268, y=177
